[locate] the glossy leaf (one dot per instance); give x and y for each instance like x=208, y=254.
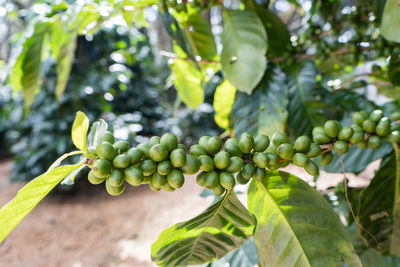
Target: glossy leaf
x=187, y=80
x=97, y=129
x=295, y=225
x=29, y=196
x=390, y=26
x=221, y=228
x=243, y=56
x=264, y=111
x=79, y=130
x=224, y=97
x=200, y=37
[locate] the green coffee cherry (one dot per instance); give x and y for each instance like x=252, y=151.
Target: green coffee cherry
x=135, y=155
x=314, y=151
x=332, y=128
x=261, y=143
x=369, y=126
x=394, y=137
x=374, y=142
x=167, y=188
x=121, y=161
x=197, y=150
x=300, y=159
x=148, y=167
x=246, y=143
x=178, y=158
x=240, y=179
x=92, y=150
x=93, y=179
x=218, y=190
x=203, y=141
x=133, y=176
x=227, y=180
x=214, y=145
x=235, y=165
x=272, y=159
x=394, y=126
x=147, y=179
x=260, y=160
x=285, y=151
x=145, y=150
x=164, y=167
x=358, y=136
x=206, y=163
x=222, y=160
x=357, y=128
x=345, y=133
x=271, y=149
x=107, y=137
x=383, y=127
x=169, y=140
x=159, y=180
x=232, y=147
x=321, y=139
x=359, y=117
x=259, y=174
x=278, y=139
x=154, y=140
x=153, y=187
x=395, y=116
x=158, y=152
x=312, y=168
x=191, y=166
x=114, y=191
x=211, y=180
x=341, y=147
x=175, y=178
x=362, y=144
x=201, y=178
x=116, y=178
x=302, y=143
x=106, y=151
x=326, y=158
x=318, y=130
x=101, y=168
x=248, y=171
x=121, y=147
x=181, y=146
x=376, y=115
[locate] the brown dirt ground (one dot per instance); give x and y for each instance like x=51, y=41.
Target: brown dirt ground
x=92, y=228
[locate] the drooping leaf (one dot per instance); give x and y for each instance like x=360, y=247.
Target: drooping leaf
x=25, y=74
x=200, y=37
x=224, y=98
x=278, y=34
x=264, y=111
x=79, y=130
x=243, y=56
x=221, y=228
x=390, y=26
x=295, y=225
x=187, y=80
x=379, y=209
x=29, y=196
x=97, y=129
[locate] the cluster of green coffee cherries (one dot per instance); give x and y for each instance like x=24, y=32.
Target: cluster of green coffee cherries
x=162, y=162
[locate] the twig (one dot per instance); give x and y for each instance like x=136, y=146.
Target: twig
x=348, y=203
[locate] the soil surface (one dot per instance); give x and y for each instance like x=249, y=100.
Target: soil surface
x=91, y=228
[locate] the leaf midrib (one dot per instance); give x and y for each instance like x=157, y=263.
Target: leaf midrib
x=286, y=220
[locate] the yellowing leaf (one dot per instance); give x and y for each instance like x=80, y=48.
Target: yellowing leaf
x=79, y=130
x=187, y=80
x=223, y=101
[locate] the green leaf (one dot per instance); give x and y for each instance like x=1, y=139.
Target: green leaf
x=390, y=26
x=224, y=98
x=278, y=34
x=187, y=80
x=295, y=225
x=243, y=56
x=200, y=37
x=221, y=228
x=394, y=68
x=379, y=212
x=264, y=111
x=371, y=258
x=25, y=74
x=79, y=130
x=29, y=196
x=97, y=129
